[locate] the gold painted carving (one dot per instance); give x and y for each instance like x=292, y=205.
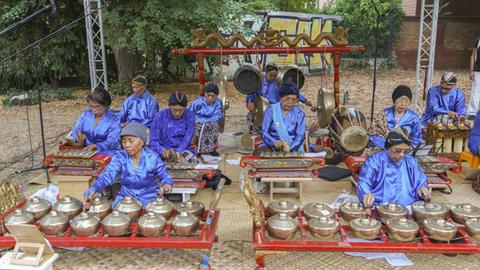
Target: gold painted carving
x=268, y=38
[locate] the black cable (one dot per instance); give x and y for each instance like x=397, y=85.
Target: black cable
x=47, y=37
x=24, y=20
x=32, y=158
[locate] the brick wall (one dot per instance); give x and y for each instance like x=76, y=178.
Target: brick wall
x=455, y=39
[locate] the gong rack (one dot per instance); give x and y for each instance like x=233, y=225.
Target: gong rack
x=264, y=245
x=270, y=41
x=201, y=240
x=285, y=166
x=74, y=161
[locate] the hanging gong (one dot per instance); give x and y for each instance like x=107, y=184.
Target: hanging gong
x=325, y=107
x=247, y=79
x=261, y=104
x=293, y=74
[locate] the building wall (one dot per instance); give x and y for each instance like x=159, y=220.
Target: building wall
x=455, y=37
x=409, y=7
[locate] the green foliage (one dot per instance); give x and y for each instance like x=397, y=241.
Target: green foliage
x=48, y=94
x=361, y=19
x=306, y=6
x=59, y=57
x=119, y=89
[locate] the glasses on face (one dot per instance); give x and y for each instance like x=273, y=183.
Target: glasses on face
x=291, y=100
x=447, y=86
x=403, y=100
x=400, y=151
x=178, y=111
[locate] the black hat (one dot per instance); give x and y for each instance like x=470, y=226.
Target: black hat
x=270, y=67
x=395, y=137
x=400, y=91
x=288, y=89
x=178, y=98
x=211, y=87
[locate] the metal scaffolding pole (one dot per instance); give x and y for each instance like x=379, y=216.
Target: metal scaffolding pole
x=95, y=43
x=426, y=49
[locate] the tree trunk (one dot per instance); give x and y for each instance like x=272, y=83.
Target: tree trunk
x=165, y=71
x=128, y=63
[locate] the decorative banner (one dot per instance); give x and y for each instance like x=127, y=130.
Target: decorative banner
x=292, y=26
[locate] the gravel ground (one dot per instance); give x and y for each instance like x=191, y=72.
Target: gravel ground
x=59, y=116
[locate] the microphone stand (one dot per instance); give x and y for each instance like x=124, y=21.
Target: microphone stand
x=36, y=45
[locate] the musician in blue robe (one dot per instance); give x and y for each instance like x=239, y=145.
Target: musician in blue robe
x=392, y=175
x=141, y=169
x=398, y=115
x=270, y=91
x=98, y=128
x=172, y=129
x=208, y=115
x=139, y=107
x=284, y=122
x=474, y=137
x=445, y=102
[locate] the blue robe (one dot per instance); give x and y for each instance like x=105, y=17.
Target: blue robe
x=106, y=135
x=391, y=181
x=437, y=103
x=204, y=112
x=168, y=132
x=140, y=184
x=270, y=91
x=474, y=137
x=140, y=109
x=409, y=120
x=295, y=124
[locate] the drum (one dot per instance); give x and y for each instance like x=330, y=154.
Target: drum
x=349, y=129
x=293, y=74
x=247, y=79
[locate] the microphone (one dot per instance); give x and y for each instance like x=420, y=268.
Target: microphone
x=53, y=7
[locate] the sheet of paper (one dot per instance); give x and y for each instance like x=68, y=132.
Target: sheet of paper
x=211, y=159
x=344, y=197
x=206, y=166
x=233, y=162
x=313, y=155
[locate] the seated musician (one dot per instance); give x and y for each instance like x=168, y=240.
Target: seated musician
x=208, y=115
x=392, y=175
x=172, y=129
x=398, y=115
x=474, y=137
x=98, y=128
x=139, y=107
x=269, y=91
x=445, y=102
x=141, y=169
x=284, y=122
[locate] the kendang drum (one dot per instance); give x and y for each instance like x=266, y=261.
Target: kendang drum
x=349, y=129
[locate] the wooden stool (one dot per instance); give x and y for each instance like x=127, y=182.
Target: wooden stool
x=296, y=189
